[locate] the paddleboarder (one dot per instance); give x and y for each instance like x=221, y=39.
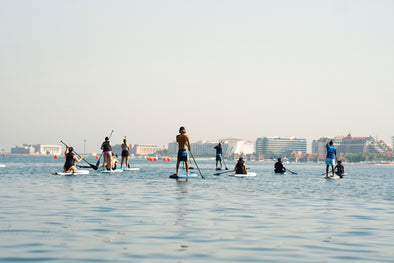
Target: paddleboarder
x=240, y=167
x=340, y=169
x=219, y=152
x=183, y=145
x=107, y=150
x=330, y=157
x=125, y=154
x=71, y=158
x=279, y=168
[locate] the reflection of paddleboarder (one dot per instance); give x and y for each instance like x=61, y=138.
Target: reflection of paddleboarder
x=184, y=144
x=70, y=160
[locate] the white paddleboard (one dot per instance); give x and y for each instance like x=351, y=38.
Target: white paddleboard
x=243, y=175
x=131, y=169
x=3, y=165
x=191, y=175
x=80, y=172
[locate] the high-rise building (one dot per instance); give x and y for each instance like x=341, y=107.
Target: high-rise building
x=280, y=145
x=350, y=144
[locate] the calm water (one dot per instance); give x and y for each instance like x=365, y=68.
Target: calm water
x=143, y=216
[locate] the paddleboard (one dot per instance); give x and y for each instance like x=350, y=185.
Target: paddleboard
x=219, y=169
x=243, y=175
x=191, y=175
x=281, y=173
x=131, y=169
x=80, y=172
x=3, y=165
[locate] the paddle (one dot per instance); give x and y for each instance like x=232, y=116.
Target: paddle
x=223, y=172
x=98, y=162
x=224, y=163
x=196, y=164
x=91, y=165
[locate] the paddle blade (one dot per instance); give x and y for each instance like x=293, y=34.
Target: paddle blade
x=93, y=166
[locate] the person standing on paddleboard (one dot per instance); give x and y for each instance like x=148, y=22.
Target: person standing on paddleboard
x=279, y=168
x=219, y=152
x=330, y=157
x=125, y=154
x=107, y=150
x=184, y=144
x=240, y=167
x=70, y=160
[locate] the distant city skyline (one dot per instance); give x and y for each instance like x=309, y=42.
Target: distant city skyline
x=298, y=143
x=75, y=70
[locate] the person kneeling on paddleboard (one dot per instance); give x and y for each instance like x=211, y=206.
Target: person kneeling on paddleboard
x=340, y=169
x=240, y=167
x=70, y=160
x=279, y=168
x=184, y=143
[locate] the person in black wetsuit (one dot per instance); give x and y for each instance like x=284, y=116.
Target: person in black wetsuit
x=240, y=167
x=279, y=168
x=339, y=169
x=70, y=160
x=219, y=152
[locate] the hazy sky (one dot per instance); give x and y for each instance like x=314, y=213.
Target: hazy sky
x=76, y=70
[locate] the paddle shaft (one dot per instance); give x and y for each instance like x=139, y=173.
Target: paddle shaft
x=196, y=164
x=98, y=162
x=91, y=165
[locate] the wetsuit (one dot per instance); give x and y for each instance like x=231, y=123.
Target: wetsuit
x=279, y=168
x=69, y=161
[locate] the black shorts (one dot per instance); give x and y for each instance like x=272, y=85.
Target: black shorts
x=182, y=155
x=125, y=153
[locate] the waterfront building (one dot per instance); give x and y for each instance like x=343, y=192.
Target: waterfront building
x=139, y=149
x=350, y=144
x=24, y=149
x=206, y=148
x=40, y=149
x=280, y=145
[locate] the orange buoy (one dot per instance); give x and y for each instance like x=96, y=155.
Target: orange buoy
x=55, y=156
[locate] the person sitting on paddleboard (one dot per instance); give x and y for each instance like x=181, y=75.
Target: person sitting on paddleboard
x=70, y=160
x=125, y=154
x=219, y=152
x=330, y=157
x=240, y=167
x=107, y=149
x=114, y=161
x=184, y=144
x=279, y=168
x=340, y=169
